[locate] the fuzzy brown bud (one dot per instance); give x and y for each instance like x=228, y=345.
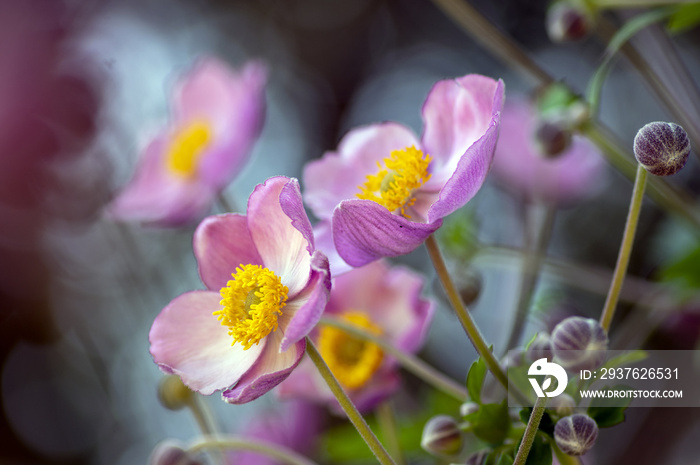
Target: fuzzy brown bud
x=662, y=148
x=579, y=343
x=173, y=394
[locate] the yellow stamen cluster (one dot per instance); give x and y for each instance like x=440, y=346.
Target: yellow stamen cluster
x=352, y=360
x=252, y=302
x=187, y=147
x=405, y=171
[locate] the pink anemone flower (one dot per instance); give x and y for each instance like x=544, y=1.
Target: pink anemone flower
x=267, y=287
x=381, y=300
x=218, y=114
x=520, y=167
x=386, y=191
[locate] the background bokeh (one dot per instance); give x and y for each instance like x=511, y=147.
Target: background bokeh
x=84, y=84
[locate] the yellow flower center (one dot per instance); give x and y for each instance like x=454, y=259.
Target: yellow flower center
x=187, y=148
x=252, y=301
x=404, y=172
x=352, y=360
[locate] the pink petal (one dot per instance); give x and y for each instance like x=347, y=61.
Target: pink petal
x=272, y=368
x=221, y=243
x=364, y=231
x=337, y=175
x=469, y=175
x=187, y=340
x=456, y=114
x=155, y=196
x=519, y=167
x=324, y=242
x=283, y=247
x=307, y=307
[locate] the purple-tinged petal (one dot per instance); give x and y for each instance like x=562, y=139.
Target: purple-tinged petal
x=271, y=368
x=293, y=207
x=306, y=308
x=221, y=243
x=364, y=231
x=187, y=340
x=469, y=174
x=155, y=196
x=456, y=114
x=338, y=175
x=283, y=248
x=324, y=242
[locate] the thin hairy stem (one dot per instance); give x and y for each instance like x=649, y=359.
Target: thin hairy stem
x=387, y=422
x=348, y=407
x=623, y=257
x=243, y=443
x=530, y=431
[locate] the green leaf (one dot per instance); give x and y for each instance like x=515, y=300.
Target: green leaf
x=540, y=452
x=475, y=379
x=492, y=423
x=546, y=424
x=684, y=271
x=686, y=17
x=606, y=415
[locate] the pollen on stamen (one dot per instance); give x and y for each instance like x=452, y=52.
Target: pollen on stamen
x=393, y=185
x=187, y=148
x=252, y=302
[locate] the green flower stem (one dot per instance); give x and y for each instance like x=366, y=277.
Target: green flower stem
x=232, y=442
x=413, y=364
x=350, y=410
x=531, y=267
x=492, y=39
x=389, y=428
x=465, y=318
x=530, y=431
x=202, y=414
x=623, y=257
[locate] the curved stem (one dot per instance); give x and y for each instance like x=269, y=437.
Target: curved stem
x=465, y=318
x=350, y=410
x=413, y=364
x=530, y=274
x=274, y=450
x=530, y=431
x=202, y=415
x=623, y=257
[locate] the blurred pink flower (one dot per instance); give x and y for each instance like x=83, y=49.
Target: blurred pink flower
x=520, y=167
x=218, y=114
x=387, y=191
x=246, y=334
x=296, y=425
x=382, y=300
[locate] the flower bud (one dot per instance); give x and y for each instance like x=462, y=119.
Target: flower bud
x=442, y=436
x=541, y=347
x=469, y=284
x=512, y=359
x=662, y=148
x=173, y=394
x=171, y=452
x=468, y=408
x=579, y=343
x=551, y=138
x=563, y=404
x=569, y=20
x=575, y=434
